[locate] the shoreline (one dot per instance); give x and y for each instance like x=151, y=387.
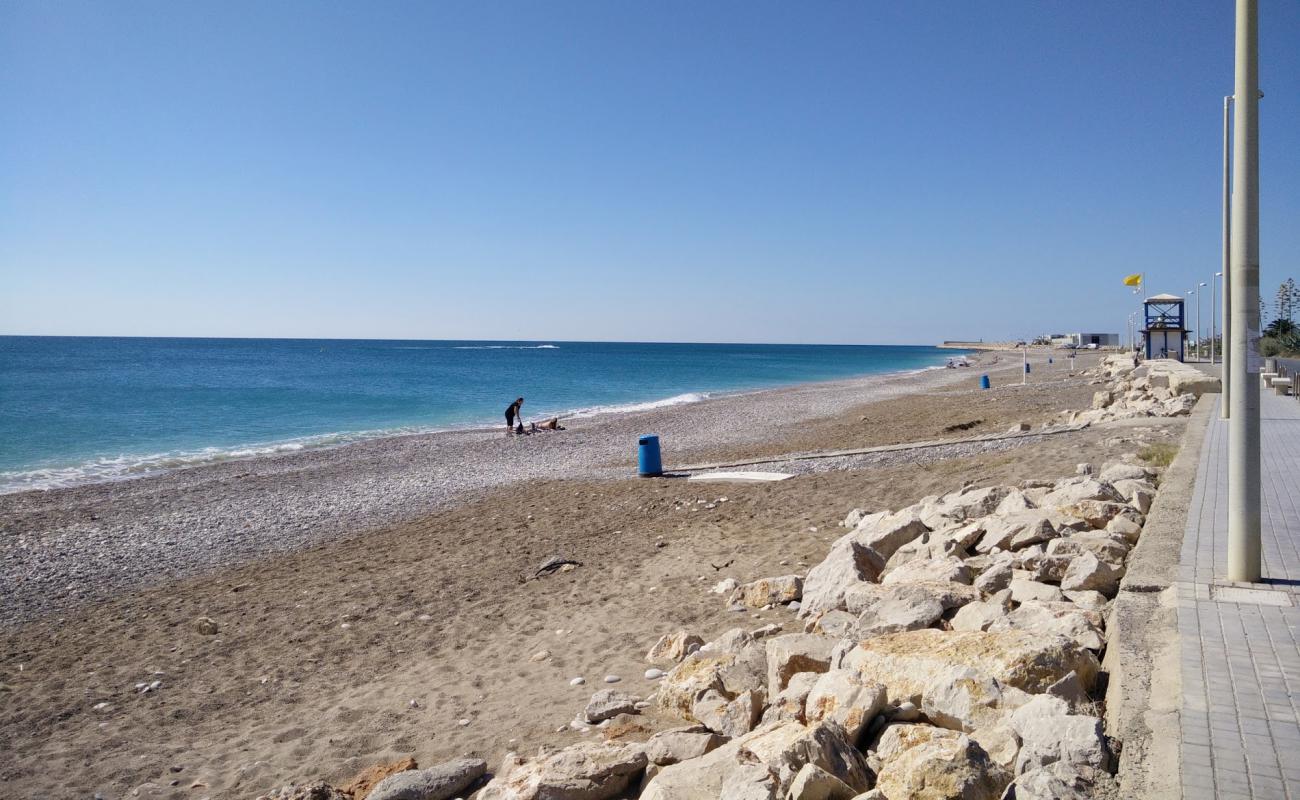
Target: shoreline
x=435, y=638
x=68, y=546
x=161, y=463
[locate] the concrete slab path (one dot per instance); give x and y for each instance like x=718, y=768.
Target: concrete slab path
x=1240, y=643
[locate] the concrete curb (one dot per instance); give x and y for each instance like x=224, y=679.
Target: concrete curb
x=1144, y=695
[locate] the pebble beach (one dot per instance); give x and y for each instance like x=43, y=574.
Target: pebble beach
x=66, y=546
x=319, y=614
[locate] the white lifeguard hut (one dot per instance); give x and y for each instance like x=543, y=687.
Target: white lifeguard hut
x=1165, y=332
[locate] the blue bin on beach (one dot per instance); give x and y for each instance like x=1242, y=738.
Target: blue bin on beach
x=1027, y=370
x=984, y=381
x=648, y=461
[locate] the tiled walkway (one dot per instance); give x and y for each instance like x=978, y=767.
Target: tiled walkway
x=1241, y=642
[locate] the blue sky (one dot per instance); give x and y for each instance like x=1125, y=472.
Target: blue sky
x=669, y=171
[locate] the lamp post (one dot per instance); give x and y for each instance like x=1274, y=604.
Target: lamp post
x=1200, y=290
x=1191, y=292
x=1214, y=315
x=1225, y=384
x=1243, y=424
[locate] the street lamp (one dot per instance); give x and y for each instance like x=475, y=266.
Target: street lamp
x=1191, y=292
x=1244, y=496
x=1199, y=292
x=1214, y=315
x=1225, y=351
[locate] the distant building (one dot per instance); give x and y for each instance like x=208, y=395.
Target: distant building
x=1165, y=333
x=1085, y=339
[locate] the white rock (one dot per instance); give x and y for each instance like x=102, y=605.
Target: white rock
x=577, y=681
x=844, y=697
x=653, y=674
x=586, y=771
x=612, y=679
x=1022, y=591
x=673, y=647
x=1089, y=573
x=847, y=563
x=938, y=570
x=1049, y=733
x=814, y=783
x=792, y=653
x=928, y=763
x=767, y=591
x=609, y=703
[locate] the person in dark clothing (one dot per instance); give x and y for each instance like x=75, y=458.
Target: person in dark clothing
x=511, y=413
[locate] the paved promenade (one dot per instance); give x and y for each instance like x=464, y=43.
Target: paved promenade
x=1240, y=643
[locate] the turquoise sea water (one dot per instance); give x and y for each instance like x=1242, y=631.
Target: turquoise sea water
x=76, y=409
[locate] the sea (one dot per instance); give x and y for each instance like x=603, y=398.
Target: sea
x=83, y=409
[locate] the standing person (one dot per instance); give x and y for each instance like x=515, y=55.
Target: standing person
x=511, y=413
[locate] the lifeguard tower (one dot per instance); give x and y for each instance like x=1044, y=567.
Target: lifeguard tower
x=1165, y=333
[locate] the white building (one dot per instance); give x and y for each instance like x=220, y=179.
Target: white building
x=1085, y=339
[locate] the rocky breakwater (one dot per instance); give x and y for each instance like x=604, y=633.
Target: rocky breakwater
x=1161, y=388
x=950, y=649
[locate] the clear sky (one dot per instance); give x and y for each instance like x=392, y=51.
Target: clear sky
x=672, y=171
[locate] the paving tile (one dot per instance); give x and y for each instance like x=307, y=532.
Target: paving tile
x=1240, y=658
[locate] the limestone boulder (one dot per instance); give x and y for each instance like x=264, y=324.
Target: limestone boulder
x=769, y=591
x=730, y=666
x=1069, y=491
x=789, y=704
x=793, y=653
x=585, y=771
x=1084, y=627
x=1015, y=531
x=1126, y=528
x=1015, y=502
x=964, y=699
x=834, y=623
x=814, y=783
x=1089, y=573
x=995, y=578
x=885, y=534
x=897, y=614
x=905, y=662
x=673, y=647
x=943, y=570
x=441, y=782
x=847, y=564
x=1049, y=733
x=1060, y=781
x=608, y=703
x=967, y=504
x=730, y=717
x=779, y=750
x=1137, y=493
x=681, y=744
x=1111, y=549
x=1097, y=513
x=977, y=616
x=1023, y=591
x=843, y=696
x=1115, y=471
x=1001, y=742
x=929, y=763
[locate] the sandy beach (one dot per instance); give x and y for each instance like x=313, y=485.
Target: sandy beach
x=379, y=600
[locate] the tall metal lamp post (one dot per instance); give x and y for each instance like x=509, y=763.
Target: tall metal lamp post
x=1214, y=315
x=1225, y=399
x=1197, y=337
x=1199, y=292
x=1244, y=562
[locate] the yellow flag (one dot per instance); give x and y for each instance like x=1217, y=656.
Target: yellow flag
x=1133, y=280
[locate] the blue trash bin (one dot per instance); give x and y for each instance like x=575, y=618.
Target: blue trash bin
x=648, y=462
x=984, y=381
x=1027, y=370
